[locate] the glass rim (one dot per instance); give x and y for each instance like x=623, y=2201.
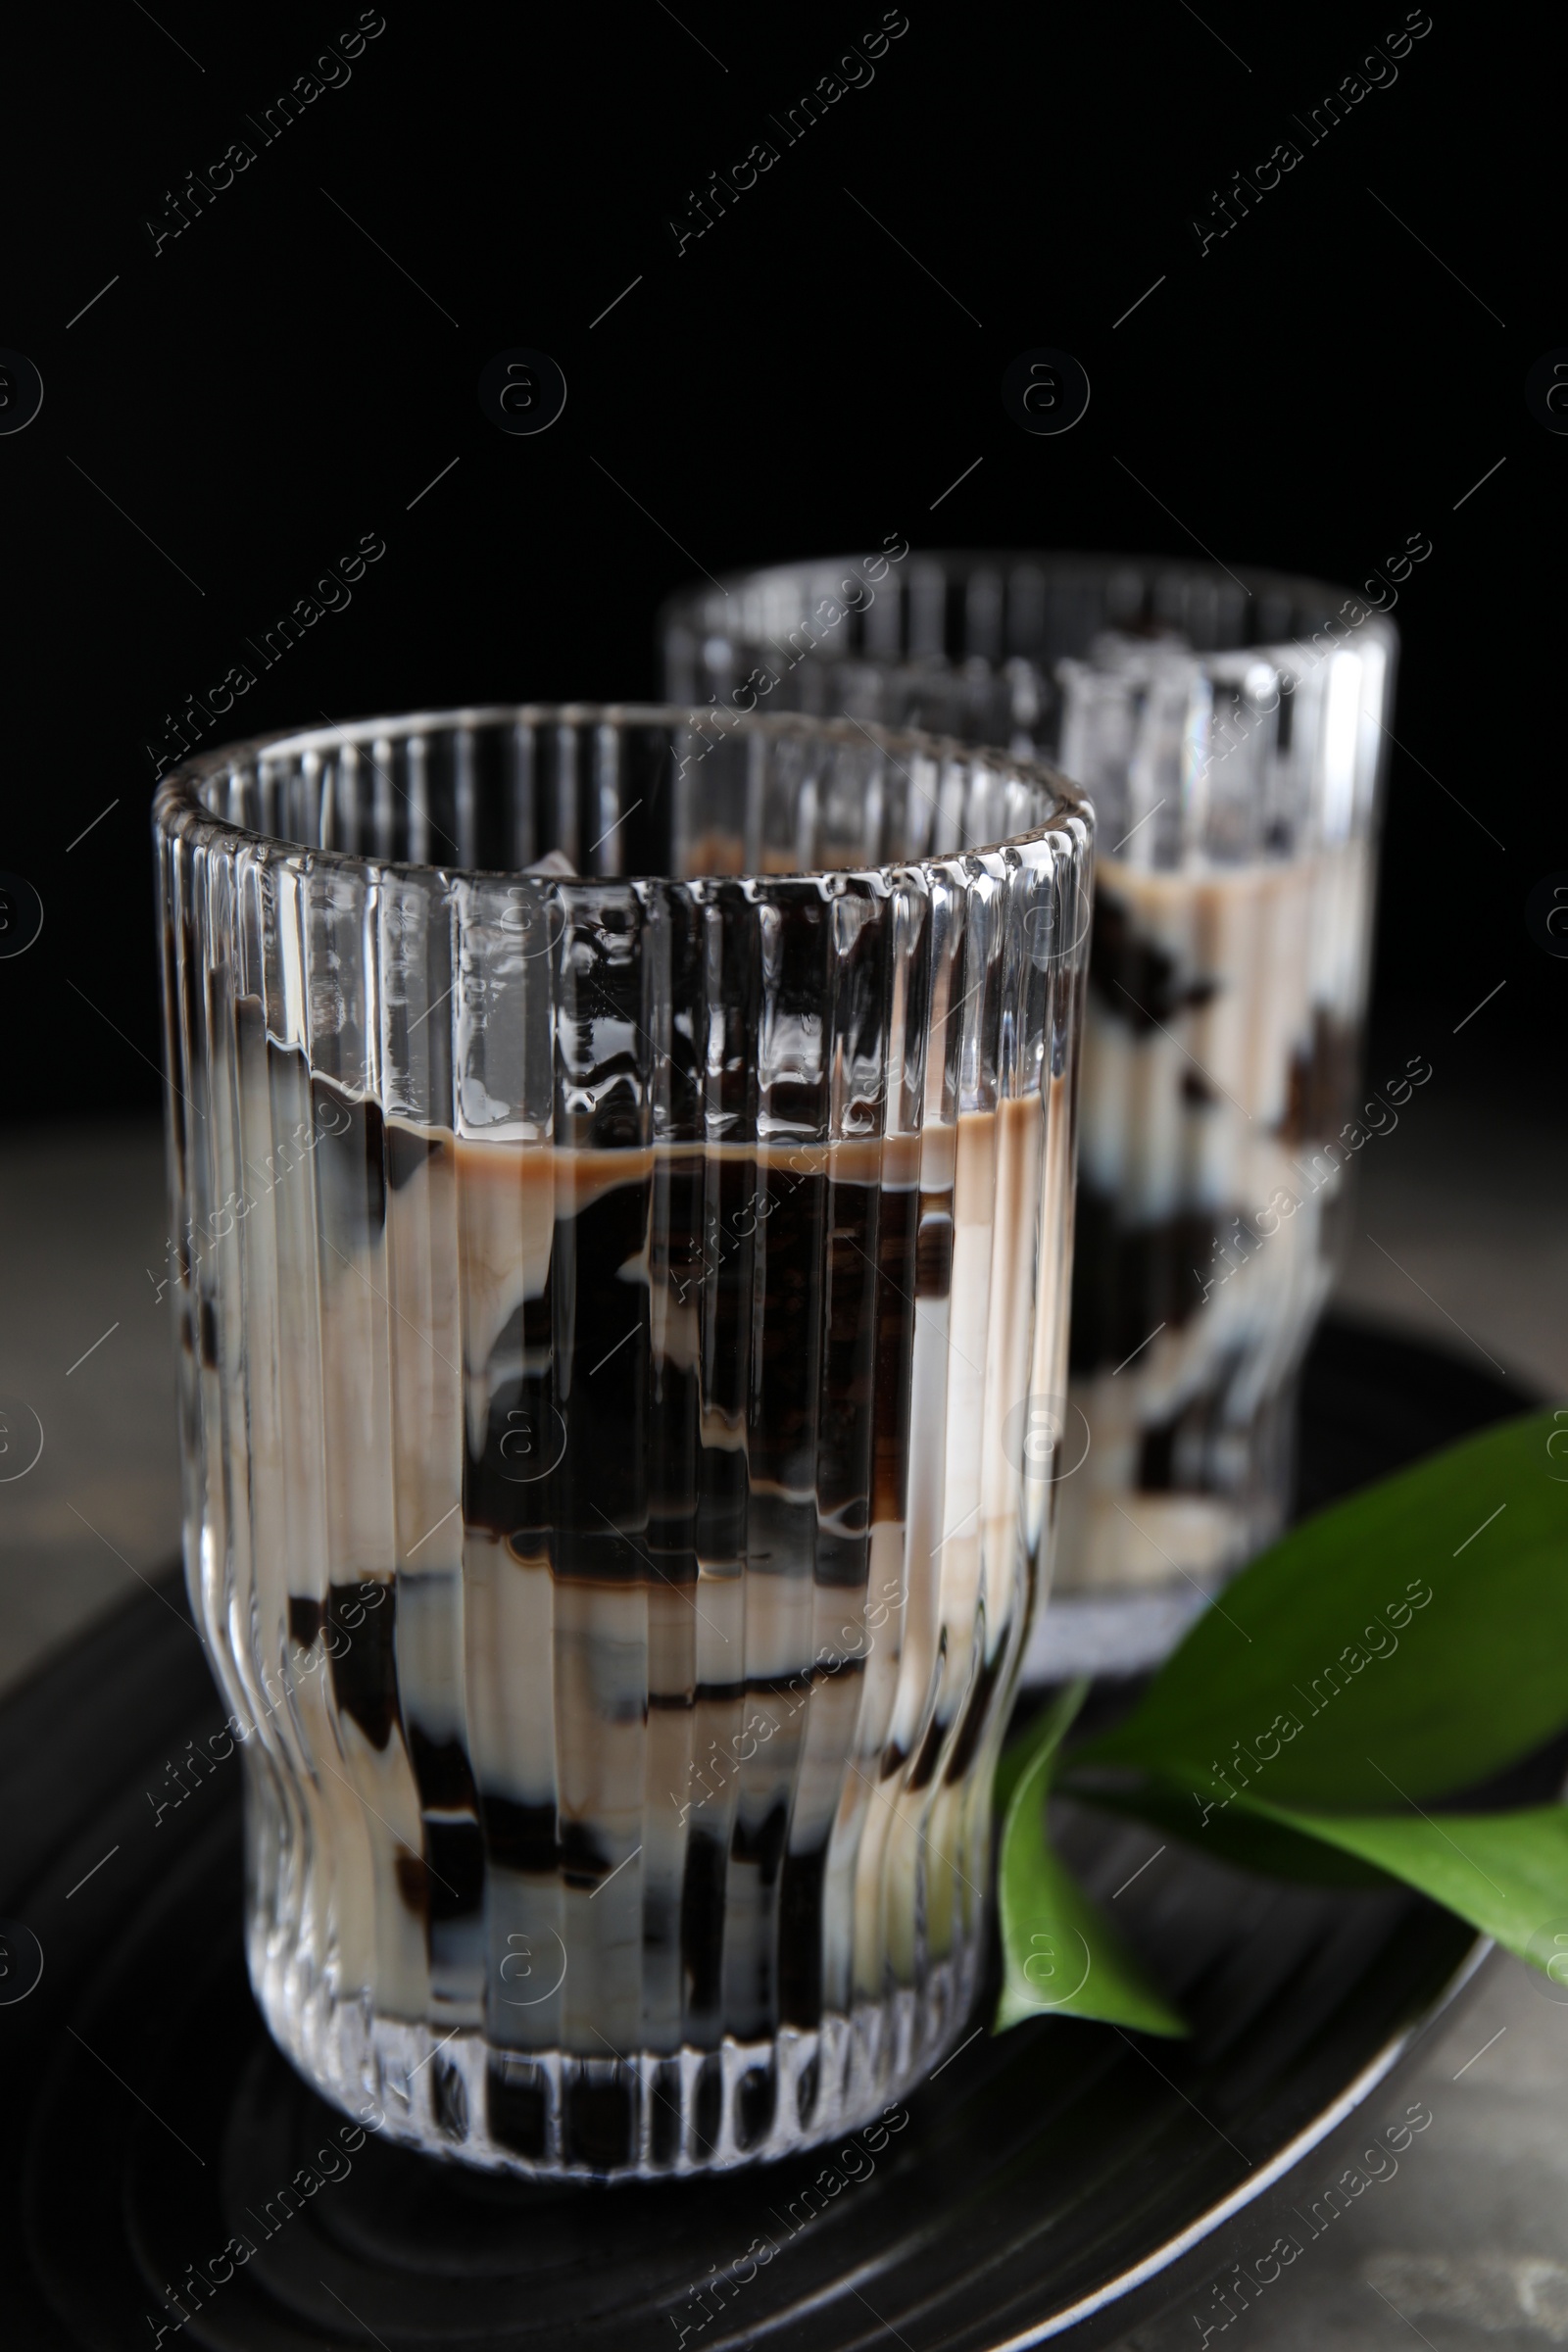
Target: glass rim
x=177, y=795
x=694, y=606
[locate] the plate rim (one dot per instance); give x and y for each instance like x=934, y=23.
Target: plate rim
x=1266, y=2176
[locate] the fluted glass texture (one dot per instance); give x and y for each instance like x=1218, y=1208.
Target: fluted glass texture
x=1229, y=729
x=611, y=1313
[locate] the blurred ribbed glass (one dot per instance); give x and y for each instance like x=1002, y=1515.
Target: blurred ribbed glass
x=616, y=1320
x=1228, y=730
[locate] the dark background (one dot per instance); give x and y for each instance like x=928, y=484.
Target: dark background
x=1308, y=394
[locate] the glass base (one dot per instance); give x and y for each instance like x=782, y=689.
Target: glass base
x=1122, y=1634
x=558, y=2115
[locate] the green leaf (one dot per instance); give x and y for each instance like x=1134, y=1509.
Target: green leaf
x=1412, y=1640
x=1230, y=1835
x=1505, y=1872
x=1061, y=1957
x=1042, y=1736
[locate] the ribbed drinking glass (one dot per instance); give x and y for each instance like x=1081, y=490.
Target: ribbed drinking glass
x=1228, y=730
x=616, y=1304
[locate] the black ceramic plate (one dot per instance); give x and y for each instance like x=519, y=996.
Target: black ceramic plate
x=1062, y=2180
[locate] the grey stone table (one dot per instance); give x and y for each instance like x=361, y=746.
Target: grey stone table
x=1460, y=1235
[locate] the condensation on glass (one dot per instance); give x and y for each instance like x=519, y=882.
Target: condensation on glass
x=614, y=1315
x=1230, y=732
